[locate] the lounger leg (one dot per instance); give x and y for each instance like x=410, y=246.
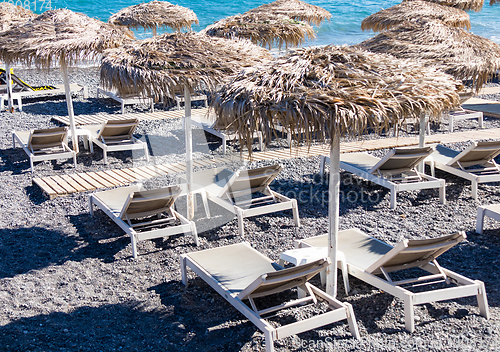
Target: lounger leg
x=289, y=139
x=91, y=208
x=474, y=190
x=239, y=214
x=480, y=220
x=31, y=165
x=345, y=276
x=184, y=270
x=13, y=137
x=451, y=123
x=74, y=159
x=480, y=120
x=261, y=142
x=269, y=341
x=205, y=204
x=194, y=232
x=409, y=314
x=482, y=301
x=442, y=193
x=105, y=155
x=123, y=107
x=133, y=240
x=351, y=320
x=394, y=194
x=146, y=151
x=295, y=210
x=322, y=166
x=223, y=145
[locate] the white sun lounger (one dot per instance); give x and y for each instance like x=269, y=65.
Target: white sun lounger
x=368, y=258
x=396, y=171
x=116, y=135
x=476, y=163
x=130, y=99
x=132, y=208
x=240, y=273
x=209, y=125
x=492, y=211
x=44, y=144
x=249, y=195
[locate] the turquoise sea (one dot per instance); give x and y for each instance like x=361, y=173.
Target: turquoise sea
x=344, y=27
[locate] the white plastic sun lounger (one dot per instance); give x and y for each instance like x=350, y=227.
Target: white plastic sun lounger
x=492, y=211
x=116, y=135
x=209, y=125
x=476, y=163
x=396, y=171
x=133, y=208
x=129, y=99
x=240, y=273
x=44, y=144
x=249, y=195
x=371, y=260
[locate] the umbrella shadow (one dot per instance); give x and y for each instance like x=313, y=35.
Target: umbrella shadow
x=125, y=326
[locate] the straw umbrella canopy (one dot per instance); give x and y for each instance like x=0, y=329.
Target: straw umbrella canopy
x=265, y=29
x=492, y=2
x=153, y=15
x=414, y=10
x=163, y=64
x=295, y=9
x=474, y=5
x=11, y=16
x=332, y=91
x=61, y=36
x=454, y=50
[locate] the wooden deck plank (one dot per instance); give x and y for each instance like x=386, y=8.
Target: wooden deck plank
x=141, y=173
x=54, y=185
x=124, y=175
x=164, y=168
x=117, y=177
x=73, y=183
x=156, y=169
x=90, y=180
x=109, y=177
x=151, y=172
x=61, y=182
x=82, y=182
x=99, y=179
x=49, y=191
x=134, y=175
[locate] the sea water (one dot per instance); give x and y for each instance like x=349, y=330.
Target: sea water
x=343, y=28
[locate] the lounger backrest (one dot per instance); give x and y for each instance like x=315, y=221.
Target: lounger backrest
x=478, y=153
x=47, y=138
x=414, y=253
x=281, y=280
x=401, y=160
x=254, y=180
x=147, y=203
x=112, y=130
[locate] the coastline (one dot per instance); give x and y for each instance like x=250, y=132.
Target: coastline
x=68, y=282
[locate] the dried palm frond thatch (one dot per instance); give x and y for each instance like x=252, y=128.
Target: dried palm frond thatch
x=12, y=15
x=474, y=5
x=414, y=10
x=493, y=2
x=454, y=50
x=295, y=9
x=57, y=34
x=332, y=91
x=155, y=14
x=162, y=65
x=262, y=29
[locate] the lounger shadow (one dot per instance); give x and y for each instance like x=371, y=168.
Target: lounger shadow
x=241, y=274
x=371, y=261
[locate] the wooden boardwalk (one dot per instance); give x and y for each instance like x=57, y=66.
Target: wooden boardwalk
x=97, y=119
x=59, y=185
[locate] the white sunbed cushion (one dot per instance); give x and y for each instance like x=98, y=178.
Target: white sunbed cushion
x=362, y=161
x=443, y=155
x=235, y=266
x=24, y=136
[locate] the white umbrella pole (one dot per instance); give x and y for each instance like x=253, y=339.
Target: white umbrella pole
x=421, y=140
x=8, y=77
x=333, y=216
x=189, y=151
x=69, y=102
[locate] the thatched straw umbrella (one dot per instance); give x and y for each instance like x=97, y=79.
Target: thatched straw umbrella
x=11, y=16
x=454, y=50
x=474, y=5
x=414, y=10
x=492, y=2
x=263, y=29
x=154, y=14
x=60, y=36
x=295, y=9
x=332, y=91
x=161, y=65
